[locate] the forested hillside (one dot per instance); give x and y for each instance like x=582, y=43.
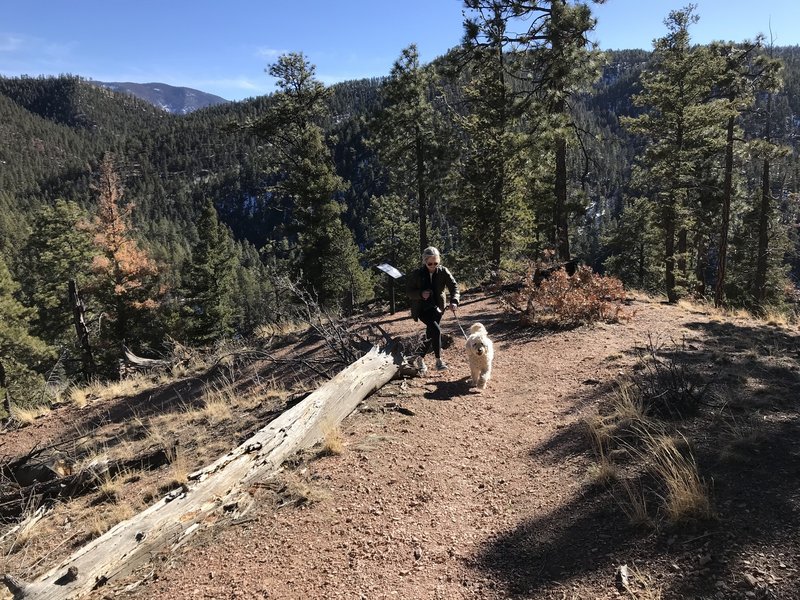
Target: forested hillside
x=674, y=169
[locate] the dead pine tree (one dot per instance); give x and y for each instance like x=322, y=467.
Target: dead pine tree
x=82, y=331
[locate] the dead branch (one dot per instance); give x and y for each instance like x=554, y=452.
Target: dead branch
x=43, y=481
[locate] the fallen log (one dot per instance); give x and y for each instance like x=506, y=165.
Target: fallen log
x=141, y=362
x=171, y=521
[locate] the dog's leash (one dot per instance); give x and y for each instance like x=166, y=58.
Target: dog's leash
x=459, y=323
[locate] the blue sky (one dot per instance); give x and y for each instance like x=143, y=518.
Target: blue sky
x=223, y=46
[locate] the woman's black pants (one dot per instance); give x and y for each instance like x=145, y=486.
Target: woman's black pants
x=433, y=332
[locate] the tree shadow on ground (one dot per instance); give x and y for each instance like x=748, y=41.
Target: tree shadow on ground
x=447, y=390
x=748, y=452
x=569, y=542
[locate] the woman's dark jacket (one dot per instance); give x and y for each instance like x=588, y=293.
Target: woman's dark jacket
x=419, y=280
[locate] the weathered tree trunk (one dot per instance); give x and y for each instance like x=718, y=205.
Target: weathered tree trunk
x=6, y=395
x=82, y=331
x=169, y=523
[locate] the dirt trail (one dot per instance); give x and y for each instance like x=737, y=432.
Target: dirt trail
x=444, y=492
x=472, y=495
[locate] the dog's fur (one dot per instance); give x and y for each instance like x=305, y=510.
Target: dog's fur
x=480, y=352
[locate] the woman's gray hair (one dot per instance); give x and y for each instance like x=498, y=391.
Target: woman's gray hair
x=430, y=251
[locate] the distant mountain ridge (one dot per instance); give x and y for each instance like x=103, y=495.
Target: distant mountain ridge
x=175, y=100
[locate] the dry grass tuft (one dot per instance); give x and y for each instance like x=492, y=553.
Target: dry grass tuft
x=332, y=442
x=279, y=330
x=610, y=431
x=687, y=496
x=79, y=396
x=772, y=315
x=777, y=317
x=217, y=404
x=604, y=471
x=31, y=526
x=634, y=504
x=641, y=586
x=29, y=414
x=110, y=488
x=628, y=431
x=98, y=391
x=179, y=466
x=627, y=407
x=740, y=440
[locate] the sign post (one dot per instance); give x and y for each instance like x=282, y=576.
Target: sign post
x=393, y=274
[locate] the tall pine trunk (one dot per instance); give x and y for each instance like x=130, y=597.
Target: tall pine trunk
x=681, y=252
x=701, y=263
x=669, y=250
x=765, y=208
x=560, y=210
x=422, y=198
x=719, y=292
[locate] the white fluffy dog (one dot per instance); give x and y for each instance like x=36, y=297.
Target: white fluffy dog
x=480, y=351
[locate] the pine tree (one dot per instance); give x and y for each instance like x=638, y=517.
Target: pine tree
x=492, y=212
x=528, y=58
x=255, y=295
x=60, y=247
x=678, y=124
x=564, y=64
x=329, y=257
x=742, y=73
x=21, y=354
x=126, y=278
x=405, y=132
x=13, y=228
x=771, y=242
x=632, y=245
x=396, y=239
x=210, y=304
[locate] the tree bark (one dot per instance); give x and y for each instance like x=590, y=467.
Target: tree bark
x=669, y=250
x=764, y=213
x=6, y=394
x=719, y=292
x=422, y=197
x=560, y=216
x=171, y=521
x=82, y=331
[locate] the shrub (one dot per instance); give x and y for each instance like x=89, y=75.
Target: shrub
x=568, y=300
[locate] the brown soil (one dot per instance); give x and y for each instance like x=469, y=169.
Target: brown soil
x=442, y=491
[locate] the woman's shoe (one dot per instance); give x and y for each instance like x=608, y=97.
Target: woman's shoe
x=440, y=364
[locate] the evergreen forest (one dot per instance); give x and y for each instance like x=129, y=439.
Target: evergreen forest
x=674, y=169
